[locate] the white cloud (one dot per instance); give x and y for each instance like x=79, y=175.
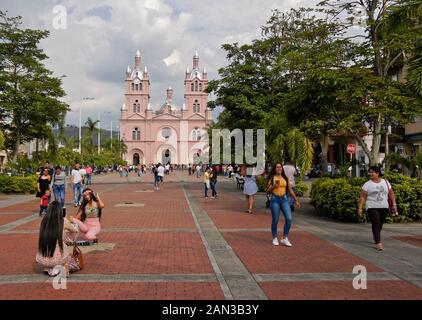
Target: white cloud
x=93, y=52
x=173, y=58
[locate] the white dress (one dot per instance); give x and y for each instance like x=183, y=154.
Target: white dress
x=250, y=187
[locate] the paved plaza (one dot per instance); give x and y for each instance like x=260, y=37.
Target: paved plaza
x=174, y=244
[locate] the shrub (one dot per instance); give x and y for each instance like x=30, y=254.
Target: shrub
x=262, y=183
x=16, y=184
x=339, y=198
x=301, y=188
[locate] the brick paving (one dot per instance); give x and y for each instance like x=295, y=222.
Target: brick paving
x=167, y=250
x=413, y=240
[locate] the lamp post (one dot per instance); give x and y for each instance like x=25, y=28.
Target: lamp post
x=111, y=135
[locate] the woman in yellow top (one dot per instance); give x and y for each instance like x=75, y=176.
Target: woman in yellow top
x=278, y=186
x=207, y=184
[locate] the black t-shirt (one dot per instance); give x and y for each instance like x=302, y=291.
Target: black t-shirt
x=50, y=171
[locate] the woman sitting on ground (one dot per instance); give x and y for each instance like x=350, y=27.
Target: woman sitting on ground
x=89, y=215
x=52, y=251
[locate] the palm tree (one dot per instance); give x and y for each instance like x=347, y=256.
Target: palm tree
x=91, y=125
x=70, y=142
x=407, y=14
x=296, y=147
x=1, y=140
x=415, y=69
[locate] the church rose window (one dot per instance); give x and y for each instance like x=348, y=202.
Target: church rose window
x=166, y=133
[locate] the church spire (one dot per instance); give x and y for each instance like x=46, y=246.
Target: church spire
x=138, y=60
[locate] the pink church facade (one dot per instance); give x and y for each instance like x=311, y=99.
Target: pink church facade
x=169, y=134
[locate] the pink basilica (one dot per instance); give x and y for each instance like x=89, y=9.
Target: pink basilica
x=170, y=134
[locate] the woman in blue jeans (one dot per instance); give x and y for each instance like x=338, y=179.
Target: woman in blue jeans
x=59, y=183
x=278, y=186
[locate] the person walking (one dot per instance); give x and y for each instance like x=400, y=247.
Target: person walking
x=374, y=196
x=76, y=179
x=213, y=183
x=89, y=172
x=277, y=187
x=160, y=176
x=59, y=185
x=198, y=171
x=291, y=171
x=89, y=215
x=250, y=188
x=190, y=169
x=207, y=184
x=43, y=183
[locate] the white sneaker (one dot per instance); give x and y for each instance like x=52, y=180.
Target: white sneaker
x=286, y=242
x=275, y=242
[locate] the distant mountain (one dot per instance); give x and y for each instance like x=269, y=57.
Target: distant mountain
x=73, y=131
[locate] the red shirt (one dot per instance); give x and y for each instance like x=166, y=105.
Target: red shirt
x=44, y=201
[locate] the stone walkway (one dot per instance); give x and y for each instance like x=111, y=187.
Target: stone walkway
x=174, y=244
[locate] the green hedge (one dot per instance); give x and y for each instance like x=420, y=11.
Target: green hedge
x=339, y=198
x=16, y=184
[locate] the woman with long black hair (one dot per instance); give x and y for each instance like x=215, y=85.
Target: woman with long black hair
x=89, y=215
x=52, y=251
x=278, y=186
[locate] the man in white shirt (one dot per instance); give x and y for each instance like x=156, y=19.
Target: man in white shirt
x=76, y=180
x=291, y=171
x=160, y=176
x=198, y=170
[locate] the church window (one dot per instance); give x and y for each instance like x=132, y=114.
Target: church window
x=136, y=134
x=196, y=85
x=191, y=87
x=200, y=87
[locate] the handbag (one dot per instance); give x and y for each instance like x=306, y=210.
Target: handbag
x=76, y=262
x=390, y=201
x=267, y=203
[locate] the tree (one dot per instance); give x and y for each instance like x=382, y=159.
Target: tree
x=1, y=140
x=253, y=86
x=387, y=47
x=293, y=146
x=91, y=125
x=28, y=92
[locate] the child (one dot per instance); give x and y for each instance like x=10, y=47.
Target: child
x=45, y=199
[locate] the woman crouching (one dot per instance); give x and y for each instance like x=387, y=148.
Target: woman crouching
x=53, y=254
x=89, y=215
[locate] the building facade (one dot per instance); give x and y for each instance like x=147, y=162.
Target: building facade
x=170, y=134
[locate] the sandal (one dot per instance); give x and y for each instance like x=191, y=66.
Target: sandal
x=379, y=247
